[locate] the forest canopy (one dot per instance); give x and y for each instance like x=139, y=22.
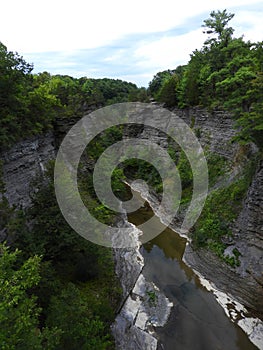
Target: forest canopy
x=30, y=103
x=57, y=290
x=225, y=74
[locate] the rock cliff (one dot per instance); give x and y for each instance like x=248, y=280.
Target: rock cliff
x=245, y=281
x=22, y=163
x=216, y=130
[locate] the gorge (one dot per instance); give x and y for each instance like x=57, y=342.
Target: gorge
x=244, y=282
x=131, y=217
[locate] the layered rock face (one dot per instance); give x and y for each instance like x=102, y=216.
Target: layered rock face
x=133, y=326
x=215, y=132
x=22, y=163
x=249, y=229
x=28, y=158
x=245, y=281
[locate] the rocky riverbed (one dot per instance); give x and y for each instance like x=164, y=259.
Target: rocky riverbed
x=231, y=304
x=28, y=158
x=143, y=305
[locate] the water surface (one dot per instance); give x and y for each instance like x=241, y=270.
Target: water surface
x=197, y=321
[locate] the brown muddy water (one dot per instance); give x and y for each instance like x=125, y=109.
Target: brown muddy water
x=197, y=321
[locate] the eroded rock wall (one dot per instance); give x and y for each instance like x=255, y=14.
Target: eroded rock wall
x=28, y=159
x=215, y=132
x=22, y=163
x=248, y=229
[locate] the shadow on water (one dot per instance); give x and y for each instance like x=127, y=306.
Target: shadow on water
x=197, y=321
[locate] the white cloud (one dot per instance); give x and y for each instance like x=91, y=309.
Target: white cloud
x=168, y=52
x=250, y=24
x=125, y=40
x=54, y=25
x=171, y=51
x=117, y=56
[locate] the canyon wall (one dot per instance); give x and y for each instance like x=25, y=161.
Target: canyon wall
x=22, y=163
x=215, y=133
x=215, y=130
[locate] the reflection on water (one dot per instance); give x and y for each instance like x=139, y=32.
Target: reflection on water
x=197, y=321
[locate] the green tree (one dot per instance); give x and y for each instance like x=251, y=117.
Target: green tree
x=43, y=105
x=51, y=236
x=139, y=95
x=217, y=24
x=157, y=82
x=27, y=105
x=19, y=325
x=14, y=81
x=70, y=311
x=168, y=93
x=189, y=85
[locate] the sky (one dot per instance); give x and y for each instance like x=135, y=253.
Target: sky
x=128, y=40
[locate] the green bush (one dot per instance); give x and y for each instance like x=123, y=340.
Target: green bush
x=221, y=209
x=70, y=312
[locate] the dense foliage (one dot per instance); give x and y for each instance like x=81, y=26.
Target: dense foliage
x=213, y=229
x=67, y=298
x=71, y=294
x=226, y=73
x=19, y=326
x=30, y=103
x=57, y=290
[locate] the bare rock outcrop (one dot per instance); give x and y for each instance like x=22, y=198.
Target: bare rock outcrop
x=22, y=163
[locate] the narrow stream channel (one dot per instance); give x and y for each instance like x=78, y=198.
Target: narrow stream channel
x=197, y=321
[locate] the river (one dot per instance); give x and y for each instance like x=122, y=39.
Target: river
x=197, y=321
